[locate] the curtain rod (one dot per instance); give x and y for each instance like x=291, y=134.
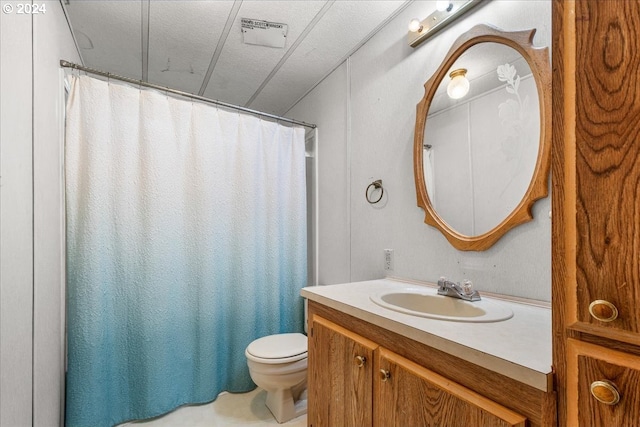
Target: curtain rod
x=67, y=64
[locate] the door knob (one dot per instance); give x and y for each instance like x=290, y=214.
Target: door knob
x=384, y=375
x=605, y=392
x=603, y=310
x=360, y=361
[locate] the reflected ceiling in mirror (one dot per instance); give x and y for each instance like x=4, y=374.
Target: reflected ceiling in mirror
x=482, y=160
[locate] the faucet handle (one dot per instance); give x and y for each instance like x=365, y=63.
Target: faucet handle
x=467, y=287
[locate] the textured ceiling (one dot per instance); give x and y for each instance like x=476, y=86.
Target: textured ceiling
x=196, y=46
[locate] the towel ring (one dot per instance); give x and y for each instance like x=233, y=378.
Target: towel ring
x=376, y=185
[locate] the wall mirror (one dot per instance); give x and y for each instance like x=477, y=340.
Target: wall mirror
x=483, y=137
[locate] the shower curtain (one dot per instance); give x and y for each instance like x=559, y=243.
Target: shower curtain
x=186, y=240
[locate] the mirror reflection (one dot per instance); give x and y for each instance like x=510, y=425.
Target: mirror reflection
x=480, y=150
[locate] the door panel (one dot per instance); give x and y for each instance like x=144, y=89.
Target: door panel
x=340, y=376
x=407, y=394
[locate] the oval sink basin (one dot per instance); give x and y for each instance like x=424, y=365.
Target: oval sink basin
x=423, y=303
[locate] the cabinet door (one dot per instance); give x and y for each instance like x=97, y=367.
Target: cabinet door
x=603, y=388
x=607, y=168
x=340, y=376
x=406, y=394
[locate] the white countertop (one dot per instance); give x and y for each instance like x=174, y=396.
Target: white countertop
x=519, y=348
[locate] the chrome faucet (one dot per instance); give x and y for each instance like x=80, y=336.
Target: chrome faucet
x=456, y=290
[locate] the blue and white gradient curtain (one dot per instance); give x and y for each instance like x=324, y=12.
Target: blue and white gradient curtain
x=186, y=240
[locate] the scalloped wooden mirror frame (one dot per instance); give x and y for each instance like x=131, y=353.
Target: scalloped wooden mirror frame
x=538, y=60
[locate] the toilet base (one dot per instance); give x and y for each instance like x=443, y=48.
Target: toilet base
x=287, y=404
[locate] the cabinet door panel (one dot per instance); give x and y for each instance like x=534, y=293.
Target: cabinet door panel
x=596, y=209
x=588, y=364
x=607, y=164
x=340, y=376
x=415, y=396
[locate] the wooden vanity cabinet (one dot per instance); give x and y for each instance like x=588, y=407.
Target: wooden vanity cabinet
x=414, y=385
x=596, y=209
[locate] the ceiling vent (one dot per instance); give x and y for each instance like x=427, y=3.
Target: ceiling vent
x=264, y=33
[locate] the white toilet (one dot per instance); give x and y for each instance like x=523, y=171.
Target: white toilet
x=278, y=364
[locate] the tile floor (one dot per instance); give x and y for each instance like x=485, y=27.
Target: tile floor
x=240, y=409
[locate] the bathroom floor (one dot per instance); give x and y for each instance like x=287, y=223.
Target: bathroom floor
x=240, y=409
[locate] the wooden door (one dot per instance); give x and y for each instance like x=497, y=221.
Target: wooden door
x=604, y=387
x=340, y=391
x=406, y=394
x=596, y=191
x=597, y=139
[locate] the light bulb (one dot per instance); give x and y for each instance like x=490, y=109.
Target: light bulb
x=459, y=85
x=414, y=25
x=441, y=6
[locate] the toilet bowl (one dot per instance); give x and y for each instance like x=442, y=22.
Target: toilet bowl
x=278, y=364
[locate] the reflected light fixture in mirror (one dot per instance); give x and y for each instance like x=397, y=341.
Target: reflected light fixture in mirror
x=458, y=87
x=445, y=13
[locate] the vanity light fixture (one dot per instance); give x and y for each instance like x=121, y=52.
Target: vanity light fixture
x=442, y=6
x=445, y=13
x=414, y=26
x=459, y=85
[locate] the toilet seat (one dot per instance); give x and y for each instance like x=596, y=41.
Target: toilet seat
x=279, y=348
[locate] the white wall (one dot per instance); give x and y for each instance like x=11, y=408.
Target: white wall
x=31, y=239
x=328, y=107
x=366, y=115
x=16, y=216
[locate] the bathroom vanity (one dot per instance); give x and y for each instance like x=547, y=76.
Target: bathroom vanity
x=372, y=366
